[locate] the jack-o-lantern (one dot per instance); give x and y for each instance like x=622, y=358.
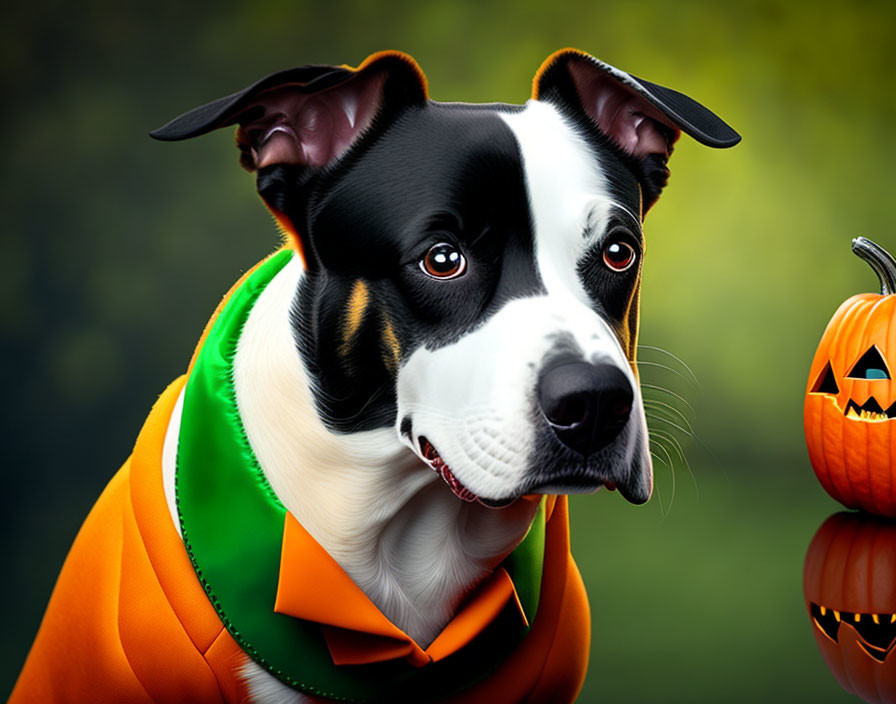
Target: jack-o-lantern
x=850, y=409
x=849, y=585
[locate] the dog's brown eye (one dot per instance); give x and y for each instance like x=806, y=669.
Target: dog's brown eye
x=619, y=256
x=443, y=261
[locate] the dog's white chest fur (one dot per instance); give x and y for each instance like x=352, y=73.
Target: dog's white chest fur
x=383, y=515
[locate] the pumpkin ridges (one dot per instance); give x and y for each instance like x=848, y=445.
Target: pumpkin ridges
x=843, y=362
x=860, y=449
x=845, y=573
x=890, y=509
x=848, y=670
x=829, y=435
x=858, y=466
x=824, y=472
x=889, y=475
x=826, y=429
x=819, y=453
x=881, y=314
x=885, y=550
x=878, y=452
x=879, y=476
x=834, y=438
x=828, y=482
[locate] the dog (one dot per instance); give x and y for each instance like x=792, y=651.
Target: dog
x=358, y=490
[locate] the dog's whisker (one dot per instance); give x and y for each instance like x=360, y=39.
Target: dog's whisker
x=687, y=378
x=676, y=358
x=662, y=389
x=672, y=496
x=660, y=422
x=665, y=509
x=679, y=452
x=672, y=440
x=659, y=493
x=658, y=412
x=674, y=425
x=664, y=512
x=666, y=420
x=654, y=408
x=669, y=463
x=689, y=431
x=657, y=458
x=668, y=460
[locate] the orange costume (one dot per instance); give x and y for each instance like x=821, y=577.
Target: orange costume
x=141, y=615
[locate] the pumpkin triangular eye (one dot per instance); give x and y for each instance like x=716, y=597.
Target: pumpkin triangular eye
x=870, y=366
x=826, y=383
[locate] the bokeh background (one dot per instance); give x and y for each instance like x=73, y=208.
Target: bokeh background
x=116, y=248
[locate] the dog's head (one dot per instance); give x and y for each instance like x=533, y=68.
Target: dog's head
x=472, y=272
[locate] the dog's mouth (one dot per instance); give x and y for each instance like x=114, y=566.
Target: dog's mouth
x=434, y=459
x=444, y=471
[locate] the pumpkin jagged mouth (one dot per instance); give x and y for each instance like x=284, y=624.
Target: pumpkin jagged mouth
x=877, y=632
x=869, y=411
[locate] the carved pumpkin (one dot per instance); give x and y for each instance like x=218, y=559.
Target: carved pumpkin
x=850, y=409
x=849, y=585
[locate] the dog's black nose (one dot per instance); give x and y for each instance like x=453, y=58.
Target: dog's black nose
x=586, y=404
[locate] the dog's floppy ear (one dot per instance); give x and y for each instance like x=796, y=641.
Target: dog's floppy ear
x=305, y=118
x=308, y=115
x=641, y=118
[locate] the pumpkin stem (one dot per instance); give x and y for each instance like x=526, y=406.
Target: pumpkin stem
x=880, y=260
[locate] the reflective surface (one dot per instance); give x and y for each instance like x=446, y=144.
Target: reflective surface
x=849, y=584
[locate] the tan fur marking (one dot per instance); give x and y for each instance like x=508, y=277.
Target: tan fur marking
x=354, y=315
x=391, y=346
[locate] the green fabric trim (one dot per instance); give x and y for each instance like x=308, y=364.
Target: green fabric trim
x=232, y=524
x=525, y=565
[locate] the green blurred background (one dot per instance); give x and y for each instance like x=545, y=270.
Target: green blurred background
x=116, y=248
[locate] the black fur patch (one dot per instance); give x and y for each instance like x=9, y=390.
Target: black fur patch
x=446, y=173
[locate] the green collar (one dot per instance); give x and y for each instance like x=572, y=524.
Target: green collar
x=232, y=525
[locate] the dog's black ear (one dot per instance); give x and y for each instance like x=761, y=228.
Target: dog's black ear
x=641, y=118
x=304, y=119
x=309, y=115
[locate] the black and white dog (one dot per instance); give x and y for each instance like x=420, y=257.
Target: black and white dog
x=463, y=298
x=466, y=300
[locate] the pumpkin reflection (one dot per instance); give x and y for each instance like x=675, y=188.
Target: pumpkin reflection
x=849, y=586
